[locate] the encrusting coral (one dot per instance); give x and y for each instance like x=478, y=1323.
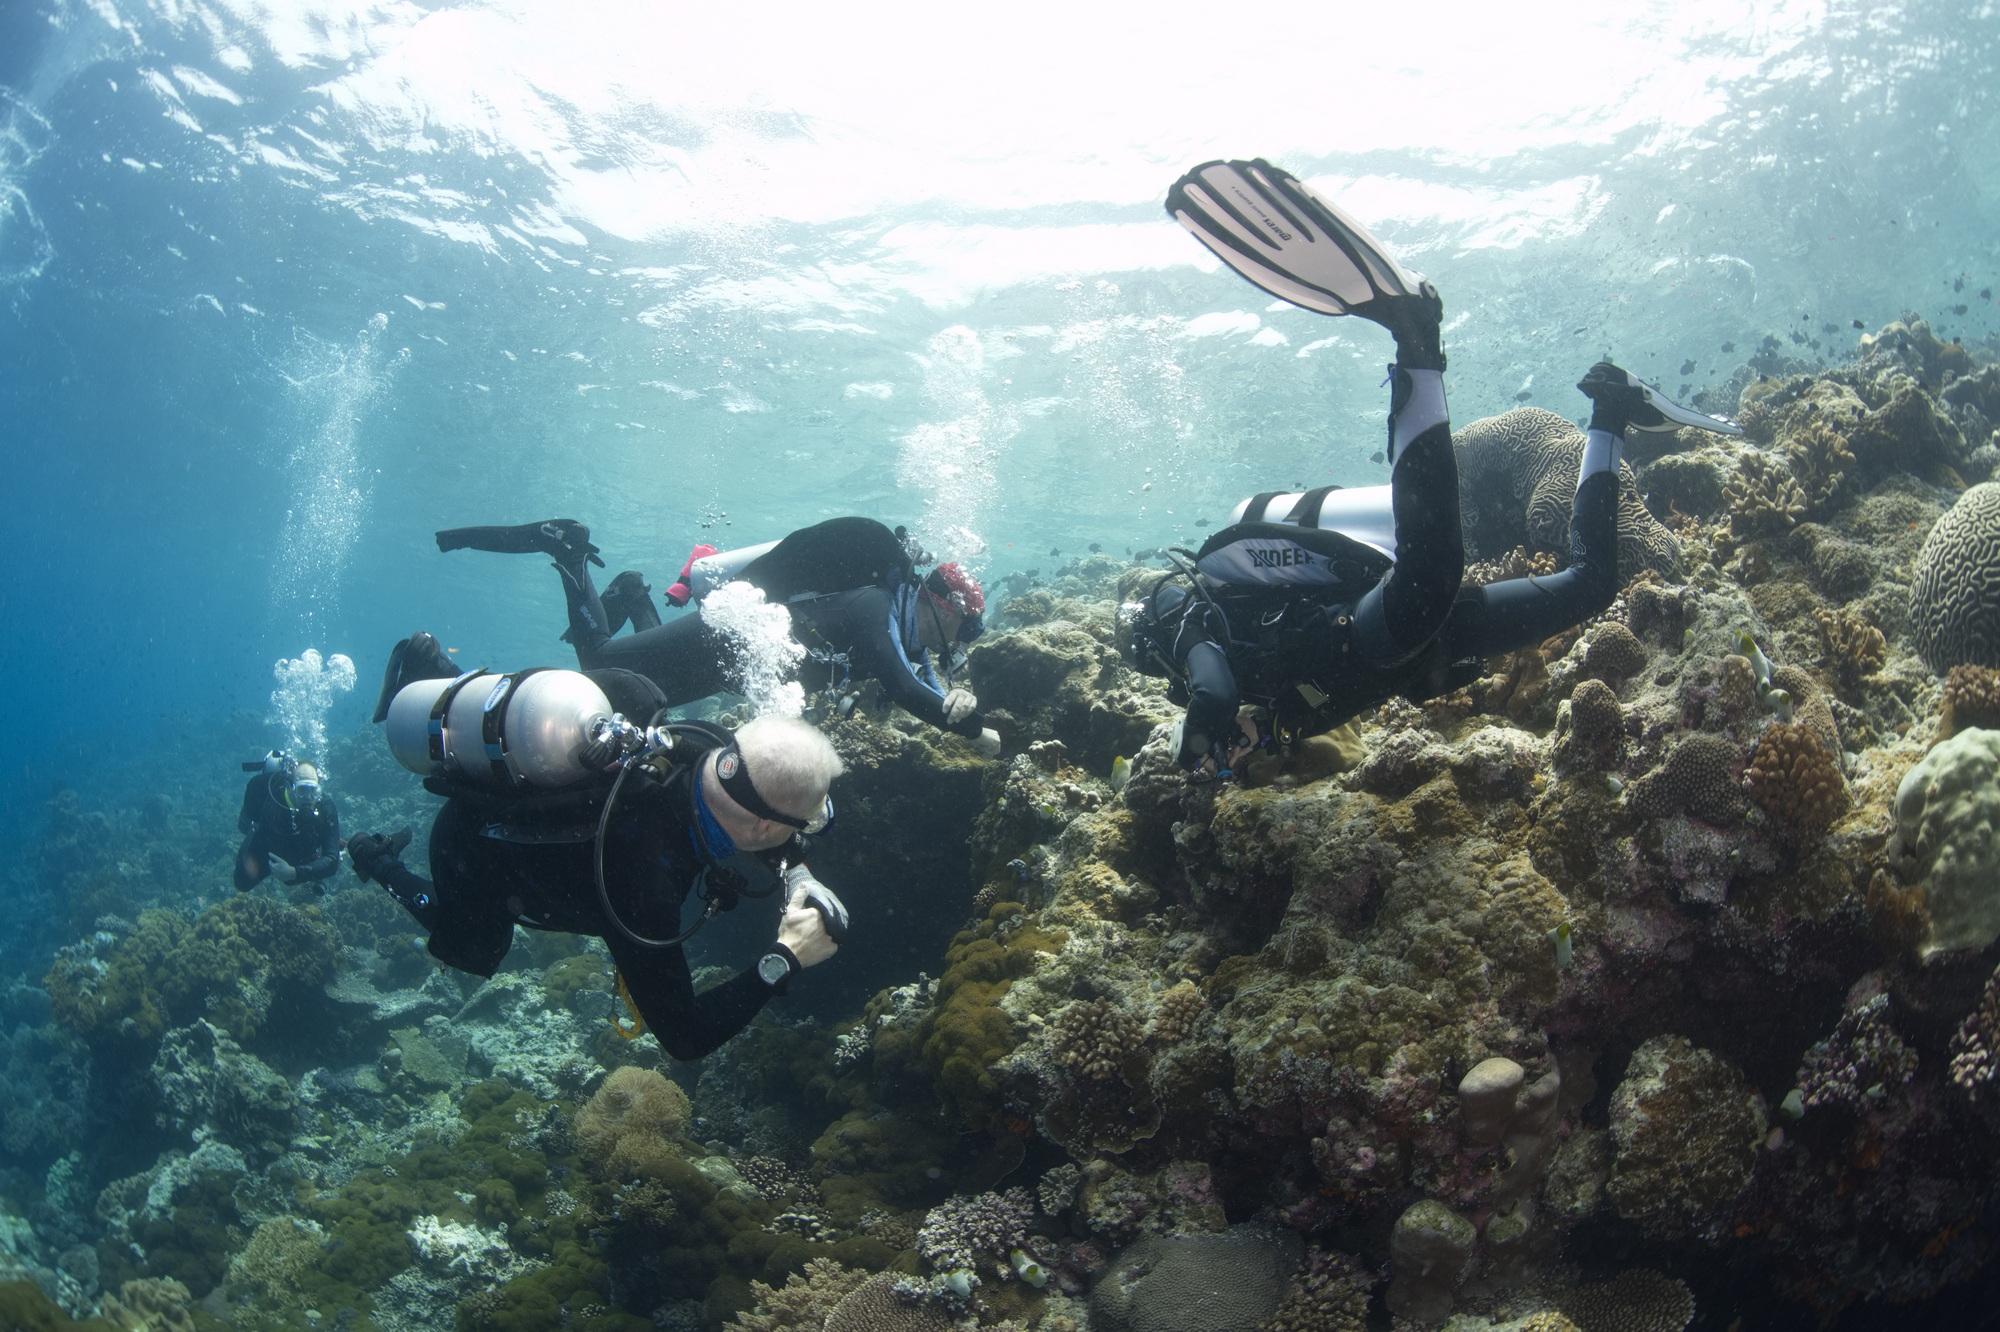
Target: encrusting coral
x=1698, y=778
x=1688, y=1128
x=1636, y=1300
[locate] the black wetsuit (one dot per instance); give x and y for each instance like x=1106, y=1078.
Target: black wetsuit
x=849, y=587
x=308, y=839
x=494, y=867
x=1318, y=655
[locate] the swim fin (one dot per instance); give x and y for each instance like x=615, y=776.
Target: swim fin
x=1267, y=225
x=1630, y=404
x=565, y=539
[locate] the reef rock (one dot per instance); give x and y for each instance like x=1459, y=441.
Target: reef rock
x=1230, y=1282
x=1688, y=1128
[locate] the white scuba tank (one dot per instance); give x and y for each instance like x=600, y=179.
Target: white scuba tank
x=1361, y=513
x=498, y=730
x=712, y=571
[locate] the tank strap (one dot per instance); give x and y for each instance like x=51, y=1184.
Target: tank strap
x=1260, y=503
x=1305, y=512
x=638, y=1027
x=493, y=722
x=443, y=706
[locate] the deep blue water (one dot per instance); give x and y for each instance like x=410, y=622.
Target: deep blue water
x=284, y=288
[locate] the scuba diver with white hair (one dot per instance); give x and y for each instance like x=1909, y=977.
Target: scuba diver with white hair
x=560, y=815
x=291, y=829
x=1311, y=607
x=850, y=585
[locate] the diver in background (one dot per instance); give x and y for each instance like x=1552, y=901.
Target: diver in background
x=291, y=829
x=849, y=584
x=573, y=862
x=1341, y=600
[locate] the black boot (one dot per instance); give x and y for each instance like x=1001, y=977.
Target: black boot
x=564, y=539
x=630, y=597
x=418, y=657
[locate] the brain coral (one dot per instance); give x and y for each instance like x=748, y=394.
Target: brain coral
x=1517, y=480
x=1947, y=812
x=1230, y=1282
x=1955, y=588
x=1687, y=1129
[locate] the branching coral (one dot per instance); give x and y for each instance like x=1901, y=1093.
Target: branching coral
x=1698, y=778
x=1971, y=698
x=1854, y=647
x=1636, y=1300
x=1179, y=1009
x=626, y=1127
x=154, y=1304
x=1094, y=1037
x=802, y=1304
x=1818, y=456
x=1796, y=781
x=1763, y=498
x=975, y=1234
x=1863, y=1057
x=1330, y=1294
x=1975, y=1046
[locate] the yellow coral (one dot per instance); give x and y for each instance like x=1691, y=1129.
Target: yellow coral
x=1796, y=780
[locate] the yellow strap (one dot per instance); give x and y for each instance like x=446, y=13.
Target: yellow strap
x=638, y=1027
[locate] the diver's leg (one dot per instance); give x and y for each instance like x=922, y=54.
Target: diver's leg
x=1407, y=608
x=686, y=658
x=589, y=626
x=418, y=657
x=252, y=866
x=563, y=538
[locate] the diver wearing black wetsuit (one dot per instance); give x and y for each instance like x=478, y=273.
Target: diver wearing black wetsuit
x=288, y=821
x=497, y=864
x=849, y=584
x=1314, y=623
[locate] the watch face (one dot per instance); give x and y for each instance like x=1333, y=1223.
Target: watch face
x=772, y=968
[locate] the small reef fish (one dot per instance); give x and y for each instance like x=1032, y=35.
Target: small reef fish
x=1121, y=772
x=1564, y=939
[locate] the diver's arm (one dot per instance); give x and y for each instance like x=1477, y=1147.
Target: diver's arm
x=687, y=1025
x=875, y=653
x=1212, y=703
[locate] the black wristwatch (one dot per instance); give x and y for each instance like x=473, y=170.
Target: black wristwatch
x=777, y=967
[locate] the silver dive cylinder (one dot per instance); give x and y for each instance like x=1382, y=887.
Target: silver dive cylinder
x=502, y=731
x=712, y=571
x=1362, y=513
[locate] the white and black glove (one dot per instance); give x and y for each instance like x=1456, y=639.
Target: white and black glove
x=987, y=742
x=282, y=870
x=958, y=705
x=803, y=890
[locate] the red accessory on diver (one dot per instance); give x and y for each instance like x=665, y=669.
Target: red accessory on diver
x=679, y=593
x=953, y=589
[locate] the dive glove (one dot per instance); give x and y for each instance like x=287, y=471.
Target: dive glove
x=832, y=911
x=367, y=852
x=283, y=870
x=958, y=705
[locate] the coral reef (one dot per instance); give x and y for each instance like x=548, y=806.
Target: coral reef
x=1863, y=1060
x=1230, y=1282
x=1971, y=699
x=1636, y=1300
x=1796, y=780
